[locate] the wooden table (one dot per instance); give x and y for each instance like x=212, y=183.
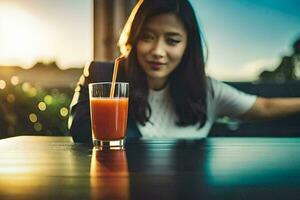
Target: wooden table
x=34, y=167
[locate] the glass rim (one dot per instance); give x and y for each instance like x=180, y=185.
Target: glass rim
x=108, y=83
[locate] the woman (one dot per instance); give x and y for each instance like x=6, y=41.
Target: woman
x=170, y=95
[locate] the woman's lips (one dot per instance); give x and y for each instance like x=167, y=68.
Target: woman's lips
x=156, y=65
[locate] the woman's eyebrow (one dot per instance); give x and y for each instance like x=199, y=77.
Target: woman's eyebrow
x=146, y=29
x=173, y=34
x=169, y=33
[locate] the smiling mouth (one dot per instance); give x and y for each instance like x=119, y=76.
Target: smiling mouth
x=156, y=65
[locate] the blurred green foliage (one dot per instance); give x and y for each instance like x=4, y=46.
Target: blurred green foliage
x=29, y=110
x=287, y=70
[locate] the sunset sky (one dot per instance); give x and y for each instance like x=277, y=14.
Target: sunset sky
x=32, y=30
x=242, y=35
x=245, y=36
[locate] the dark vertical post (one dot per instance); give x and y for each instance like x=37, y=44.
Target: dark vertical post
x=109, y=19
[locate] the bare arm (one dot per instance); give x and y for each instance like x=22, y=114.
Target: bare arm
x=269, y=108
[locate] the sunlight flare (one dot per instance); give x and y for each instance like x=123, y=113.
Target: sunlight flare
x=21, y=35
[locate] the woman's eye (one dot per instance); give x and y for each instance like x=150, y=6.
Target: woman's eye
x=172, y=41
x=146, y=37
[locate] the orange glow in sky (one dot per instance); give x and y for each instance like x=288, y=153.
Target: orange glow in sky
x=41, y=30
x=243, y=37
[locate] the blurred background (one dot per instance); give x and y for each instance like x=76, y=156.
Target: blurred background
x=44, y=45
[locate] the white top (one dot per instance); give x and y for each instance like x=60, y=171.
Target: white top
x=222, y=100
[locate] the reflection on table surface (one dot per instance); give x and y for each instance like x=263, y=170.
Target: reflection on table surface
x=109, y=174
x=34, y=167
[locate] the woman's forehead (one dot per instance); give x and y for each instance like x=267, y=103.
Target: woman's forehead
x=167, y=22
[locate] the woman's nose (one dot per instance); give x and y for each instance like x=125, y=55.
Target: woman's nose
x=158, y=49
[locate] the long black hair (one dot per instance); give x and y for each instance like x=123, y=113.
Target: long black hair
x=187, y=81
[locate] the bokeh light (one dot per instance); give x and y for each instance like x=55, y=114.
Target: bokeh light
x=10, y=98
x=2, y=84
x=25, y=87
x=64, y=111
x=48, y=99
x=38, y=126
x=42, y=106
x=14, y=80
x=33, y=117
x=32, y=92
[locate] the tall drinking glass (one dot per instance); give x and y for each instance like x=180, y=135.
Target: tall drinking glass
x=108, y=113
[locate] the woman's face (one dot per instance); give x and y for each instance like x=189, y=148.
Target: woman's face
x=160, y=48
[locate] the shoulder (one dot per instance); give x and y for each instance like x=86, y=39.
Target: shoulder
x=96, y=68
x=227, y=100
x=214, y=87
x=100, y=71
x=219, y=88
x=103, y=65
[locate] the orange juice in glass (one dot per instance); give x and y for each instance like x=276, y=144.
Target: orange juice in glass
x=109, y=114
